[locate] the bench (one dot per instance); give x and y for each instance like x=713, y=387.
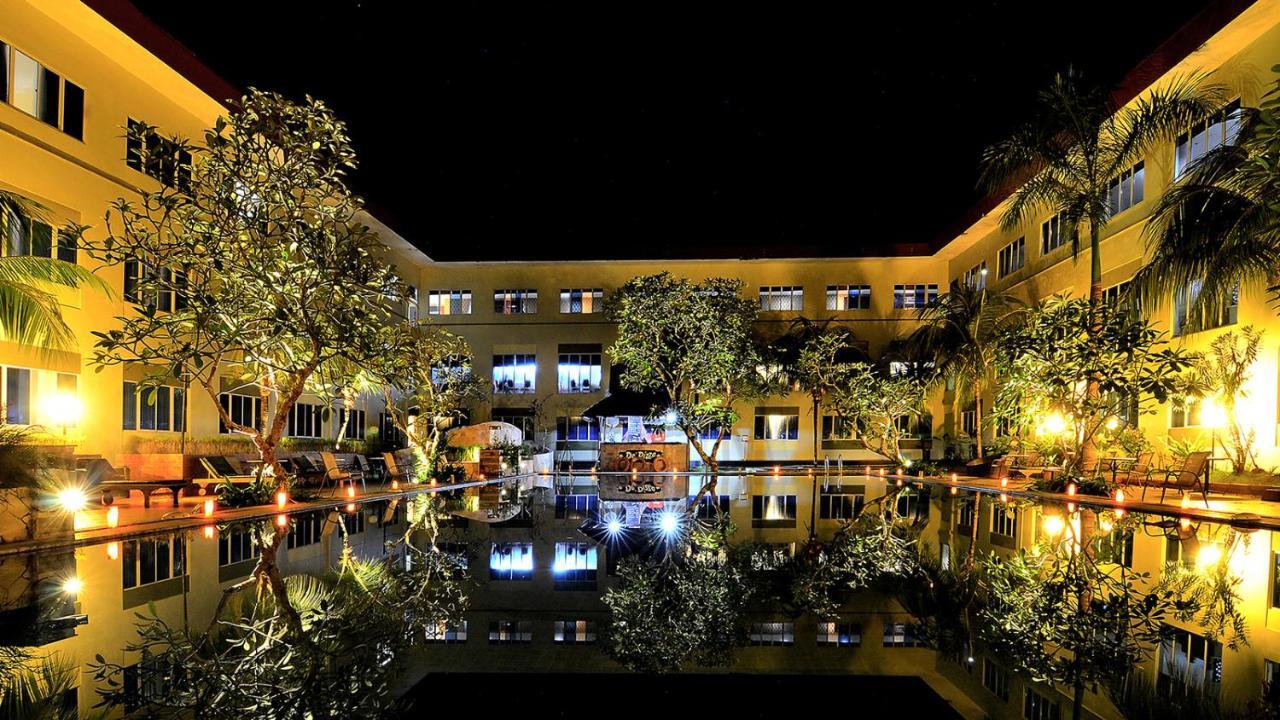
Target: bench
x=111, y=488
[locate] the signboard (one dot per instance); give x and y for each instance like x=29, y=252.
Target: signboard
x=643, y=462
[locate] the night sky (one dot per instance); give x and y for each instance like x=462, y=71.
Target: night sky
x=655, y=132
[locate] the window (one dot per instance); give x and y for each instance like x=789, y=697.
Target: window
x=1188, y=663
x=840, y=502
x=710, y=507
x=41, y=92
x=575, y=632
x=160, y=408
x=1004, y=521
x=447, y=633
x=840, y=634
x=900, y=635
x=575, y=566
x=776, y=511
x=520, y=417
x=162, y=281
x=774, y=298
x=17, y=396
x=579, y=370
x=243, y=409
x=354, y=521
x=158, y=157
x=576, y=427
x=1114, y=294
x=147, y=681
x=411, y=305
x=391, y=435
x=848, y=297
x=976, y=276
x=144, y=562
x=1270, y=674
x=1012, y=257
x=995, y=679
x=777, y=423
x=510, y=632
x=511, y=561
x=515, y=302
x=1221, y=128
x=1275, y=580
x=910, y=297
x=1126, y=190
x=838, y=428
x=352, y=423
x=577, y=507
x=448, y=302
x=966, y=513
x=1185, y=412
x=235, y=546
x=307, y=529
x=969, y=422
x=515, y=373
x=1053, y=235
x=1185, y=321
x=1115, y=547
x=773, y=633
x=28, y=236
x=582, y=302
x=305, y=421
x=1035, y=706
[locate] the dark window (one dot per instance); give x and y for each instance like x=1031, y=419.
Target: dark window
x=41, y=238
x=4, y=72
x=17, y=395
x=130, y=405
x=49, y=83
x=67, y=247
x=576, y=428
x=72, y=110
x=709, y=506
x=577, y=507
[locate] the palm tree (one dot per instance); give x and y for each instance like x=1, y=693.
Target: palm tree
x=1218, y=226
x=1065, y=159
x=30, y=313
x=960, y=334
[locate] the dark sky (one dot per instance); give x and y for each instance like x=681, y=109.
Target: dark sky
x=644, y=131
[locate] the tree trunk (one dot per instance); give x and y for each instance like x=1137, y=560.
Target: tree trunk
x=817, y=426
x=1077, y=701
x=977, y=414
x=1089, y=449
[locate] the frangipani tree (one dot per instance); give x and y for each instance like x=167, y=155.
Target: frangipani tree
x=693, y=342
x=1222, y=374
x=876, y=401
x=427, y=384
x=253, y=267
x=819, y=361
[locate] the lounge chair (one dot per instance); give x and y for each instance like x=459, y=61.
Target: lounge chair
x=1137, y=472
x=393, y=468
x=1000, y=470
x=1185, y=478
x=220, y=470
x=335, y=473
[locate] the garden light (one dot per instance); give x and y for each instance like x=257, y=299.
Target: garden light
x=282, y=499
x=113, y=551
x=1212, y=414
x=1052, y=424
x=282, y=520
x=1209, y=556
x=1053, y=525
x=72, y=499
x=113, y=516
x=668, y=523
x=351, y=490
x=208, y=532
x=613, y=525
x=208, y=507
x=64, y=409
x=72, y=585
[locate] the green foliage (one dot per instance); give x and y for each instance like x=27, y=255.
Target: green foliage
x=255, y=267
x=875, y=400
x=35, y=689
x=22, y=463
x=693, y=342
x=1223, y=373
x=669, y=614
x=1089, y=367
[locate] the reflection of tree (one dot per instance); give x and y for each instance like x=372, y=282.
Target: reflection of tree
x=297, y=646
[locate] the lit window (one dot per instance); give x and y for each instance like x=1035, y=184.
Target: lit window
x=773, y=633
x=848, y=297
x=773, y=511
x=1219, y=129
x=515, y=302
x=515, y=373
x=775, y=298
x=900, y=635
x=17, y=396
x=511, y=561
x=579, y=372
x=1126, y=189
x=448, y=302
x=582, y=301
x=777, y=423
x=1184, y=300
x=575, y=566
x=41, y=92
x=510, y=632
x=976, y=276
x=575, y=427
x=575, y=632
x=447, y=633
x=840, y=634
x=1012, y=257
x=910, y=297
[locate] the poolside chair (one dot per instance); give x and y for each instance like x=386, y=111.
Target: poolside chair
x=1000, y=470
x=362, y=464
x=220, y=470
x=1183, y=479
x=334, y=473
x=393, y=468
x=307, y=469
x=1137, y=472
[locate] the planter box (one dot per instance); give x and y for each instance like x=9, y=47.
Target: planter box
x=161, y=466
x=22, y=519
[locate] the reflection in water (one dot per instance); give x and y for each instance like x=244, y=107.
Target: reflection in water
x=1003, y=607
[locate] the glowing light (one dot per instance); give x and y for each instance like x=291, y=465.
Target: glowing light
x=113, y=516
x=1004, y=498
x=1053, y=525
x=1071, y=489
x=954, y=490
x=898, y=482
x=1184, y=523
x=1113, y=422
x=395, y=484
x=208, y=532
x=1186, y=502
x=1212, y=414
x=1105, y=524
x=351, y=507
x=351, y=490
x=1004, y=482
x=1119, y=499
x=906, y=462
x=954, y=477
x=64, y=409
x=881, y=472
x=72, y=499
x=113, y=551
x=614, y=525
x=282, y=520
x=1052, y=424
x=668, y=523
x=72, y=585
x=1209, y=556
x=282, y=499
x=208, y=507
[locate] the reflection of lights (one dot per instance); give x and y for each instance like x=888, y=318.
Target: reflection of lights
x=1053, y=525
x=351, y=507
x=208, y=532
x=282, y=520
x=351, y=490
x=668, y=523
x=954, y=490
x=72, y=585
x=613, y=525
x=113, y=551
x=1105, y=524
x=1119, y=499
x=72, y=499
x=113, y=516
x=1209, y=556
x=954, y=477
x=395, y=484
